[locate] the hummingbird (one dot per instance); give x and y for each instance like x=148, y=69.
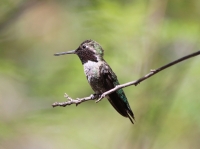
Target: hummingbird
x=100, y=76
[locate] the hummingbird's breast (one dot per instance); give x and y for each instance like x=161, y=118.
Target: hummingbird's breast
x=92, y=72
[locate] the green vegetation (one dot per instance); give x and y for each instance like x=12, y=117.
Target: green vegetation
x=136, y=36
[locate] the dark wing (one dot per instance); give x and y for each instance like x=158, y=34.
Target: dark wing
x=118, y=98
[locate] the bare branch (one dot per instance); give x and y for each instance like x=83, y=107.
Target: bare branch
x=74, y=101
x=152, y=72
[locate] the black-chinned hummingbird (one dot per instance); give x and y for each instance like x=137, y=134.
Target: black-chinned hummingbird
x=100, y=76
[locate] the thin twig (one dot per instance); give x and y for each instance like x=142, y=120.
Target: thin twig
x=74, y=101
x=152, y=72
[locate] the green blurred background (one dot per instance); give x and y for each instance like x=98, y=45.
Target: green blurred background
x=136, y=35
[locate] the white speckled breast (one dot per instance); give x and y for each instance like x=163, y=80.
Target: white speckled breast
x=91, y=70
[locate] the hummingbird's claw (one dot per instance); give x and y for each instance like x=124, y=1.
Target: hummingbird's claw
x=101, y=97
x=93, y=96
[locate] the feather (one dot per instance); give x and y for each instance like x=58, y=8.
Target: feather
x=117, y=99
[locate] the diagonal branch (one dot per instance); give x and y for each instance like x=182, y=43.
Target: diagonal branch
x=152, y=72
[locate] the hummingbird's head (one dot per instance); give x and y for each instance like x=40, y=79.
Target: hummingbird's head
x=89, y=50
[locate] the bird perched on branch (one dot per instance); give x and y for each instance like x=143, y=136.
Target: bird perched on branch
x=100, y=76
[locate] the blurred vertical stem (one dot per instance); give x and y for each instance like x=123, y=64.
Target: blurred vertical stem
x=16, y=12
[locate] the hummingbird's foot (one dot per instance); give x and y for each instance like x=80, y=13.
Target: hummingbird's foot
x=94, y=96
x=100, y=98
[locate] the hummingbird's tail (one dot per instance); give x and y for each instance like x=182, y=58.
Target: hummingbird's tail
x=121, y=105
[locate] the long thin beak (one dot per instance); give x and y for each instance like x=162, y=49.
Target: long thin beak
x=63, y=53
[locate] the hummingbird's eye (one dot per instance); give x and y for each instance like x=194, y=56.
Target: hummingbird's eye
x=84, y=46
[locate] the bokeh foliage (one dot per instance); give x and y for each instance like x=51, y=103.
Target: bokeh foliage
x=136, y=35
